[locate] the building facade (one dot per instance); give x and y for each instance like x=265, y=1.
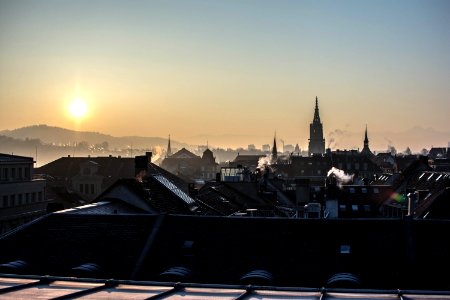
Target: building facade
x=316, y=140
x=22, y=198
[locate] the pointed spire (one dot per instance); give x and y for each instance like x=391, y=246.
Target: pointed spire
x=366, y=149
x=274, y=148
x=316, y=112
x=169, y=149
x=366, y=139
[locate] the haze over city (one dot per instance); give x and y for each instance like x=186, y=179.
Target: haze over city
x=230, y=72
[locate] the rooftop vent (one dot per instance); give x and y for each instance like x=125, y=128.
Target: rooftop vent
x=257, y=277
x=343, y=280
x=13, y=267
x=175, y=274
x=86, y=270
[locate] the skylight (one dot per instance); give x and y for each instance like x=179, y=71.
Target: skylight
x=174, y=189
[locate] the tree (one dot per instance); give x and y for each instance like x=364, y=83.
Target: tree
x=392, y=150
x=105, y=145
x=424, y=152
x=407, y=151
x=83, y=145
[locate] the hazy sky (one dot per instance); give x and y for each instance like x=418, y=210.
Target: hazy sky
x=216, y=69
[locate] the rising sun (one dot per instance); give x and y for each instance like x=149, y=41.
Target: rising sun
x=78, y=108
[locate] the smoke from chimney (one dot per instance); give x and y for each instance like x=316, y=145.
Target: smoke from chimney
x=341, y=176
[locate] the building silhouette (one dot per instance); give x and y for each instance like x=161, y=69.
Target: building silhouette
x=316, y=140
x=274, y=149
x=22, y=198
x=366, y=150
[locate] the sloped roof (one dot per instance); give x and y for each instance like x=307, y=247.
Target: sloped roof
x=184, y=153
x=63, y=167
x=14, y=158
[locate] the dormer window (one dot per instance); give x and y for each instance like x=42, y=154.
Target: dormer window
x=345, y=249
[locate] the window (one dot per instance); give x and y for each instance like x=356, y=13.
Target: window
x=40, y=196
x=356, y=166
x=318, y=172
x=12, y=200
x=365, y=166
x=86, y=188
x=376, y=190
x=81, y=188
x=364, y=190
x=367, y=208
x=19, y=199
x=355, y=207
x=342, y=207
x=351, y=190
x=13, y=173
x=92, y=188
x=20, y=173
x=345, y=249
x=27, y=172
x=27, y=198
x=5, y=173
x=33, y=197
x=5, y=201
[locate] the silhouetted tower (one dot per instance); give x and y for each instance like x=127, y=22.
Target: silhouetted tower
x=366, y=149
x=169, y=149
x=316, y=140
x=274, y=148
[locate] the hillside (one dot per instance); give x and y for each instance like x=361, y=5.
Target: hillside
x=62, y=136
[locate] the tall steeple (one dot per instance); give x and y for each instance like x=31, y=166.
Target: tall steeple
x=316, y=112
x=274, y=148
x=366, y=149
x=169, y=149
x=316, y=140
x=366, y=140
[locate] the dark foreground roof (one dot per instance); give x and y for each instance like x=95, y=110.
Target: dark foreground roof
x=35, y=287
x=382, y=254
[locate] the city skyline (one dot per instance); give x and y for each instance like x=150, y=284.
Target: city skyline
x=212, y=70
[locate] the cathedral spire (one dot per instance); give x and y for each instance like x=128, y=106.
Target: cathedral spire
x=316, y=140
x=316, y=112
x=366, y=140
x=274, y=148
x=169, y=149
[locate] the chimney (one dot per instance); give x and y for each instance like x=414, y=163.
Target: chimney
x=140, y=164
x=193, y=190
x=149, y=156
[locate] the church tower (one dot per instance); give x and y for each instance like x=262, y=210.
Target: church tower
x=316, y=140
x=366, y=149
x=274, y=148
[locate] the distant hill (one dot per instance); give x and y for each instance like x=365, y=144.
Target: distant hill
x=62, y=136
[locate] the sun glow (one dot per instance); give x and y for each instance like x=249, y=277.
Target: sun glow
x=78, y=108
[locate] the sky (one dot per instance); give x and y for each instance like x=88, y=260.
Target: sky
x=230, y=72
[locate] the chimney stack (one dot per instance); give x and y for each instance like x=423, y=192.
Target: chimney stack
x=141, y=164
x=149, y=156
